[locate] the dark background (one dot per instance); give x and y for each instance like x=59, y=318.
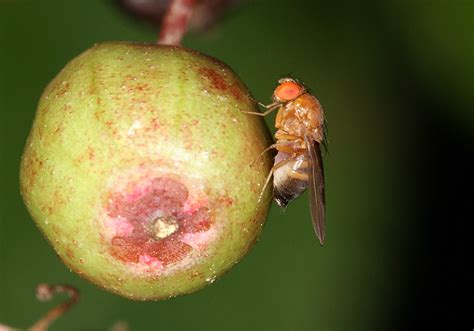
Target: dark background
x=396, y=80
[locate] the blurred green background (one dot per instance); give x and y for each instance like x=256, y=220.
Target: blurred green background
x=396, y=80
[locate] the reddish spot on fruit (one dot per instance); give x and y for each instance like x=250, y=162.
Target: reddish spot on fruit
x=215, y=79
x=197, y=222
x=219, y=83
x=168, y=251
x=152, y=223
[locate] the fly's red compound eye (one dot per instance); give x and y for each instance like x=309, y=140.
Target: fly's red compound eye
x=287, y=91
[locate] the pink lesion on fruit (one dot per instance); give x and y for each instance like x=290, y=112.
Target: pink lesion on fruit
x=150, y=261
x=122, y=227
x=155, y=224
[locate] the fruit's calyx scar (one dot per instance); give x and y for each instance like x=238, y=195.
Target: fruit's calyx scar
x=152, y=226
x=163, y=227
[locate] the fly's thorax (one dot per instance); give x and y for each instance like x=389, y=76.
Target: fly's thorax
x=285, y=187
x=302, y=116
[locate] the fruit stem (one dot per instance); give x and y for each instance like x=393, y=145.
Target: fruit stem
x=45, y=292
x=175, y=22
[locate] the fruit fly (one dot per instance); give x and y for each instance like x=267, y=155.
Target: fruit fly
x=300, y=138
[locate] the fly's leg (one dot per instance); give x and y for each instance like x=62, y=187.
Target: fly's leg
x=279, y=146
x=270, y=174
x=271, y=107
x=265, y=113
x=263, y=153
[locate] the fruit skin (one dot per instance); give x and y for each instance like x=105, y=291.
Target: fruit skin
x=120, y=118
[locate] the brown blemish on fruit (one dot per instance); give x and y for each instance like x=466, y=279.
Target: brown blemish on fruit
x=32, y=166
x=93, y=88
x=47, y=209
x=99, y=114
x=141, y=87
x=155, y=125
x=111, y=127
x=195, y=275
x=131, y=86
x=38, y=130
x=70, y=253
x=151, y=222
x=59, y=129
x=58, y=201
x=67, y=108
x=226, y=200
x=61, y=88
x=91, y=153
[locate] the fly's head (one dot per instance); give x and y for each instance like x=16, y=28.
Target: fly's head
x=288, y=89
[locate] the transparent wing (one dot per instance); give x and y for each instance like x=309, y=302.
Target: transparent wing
x=317, y=201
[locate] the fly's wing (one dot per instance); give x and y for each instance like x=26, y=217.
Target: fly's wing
x=317, y=201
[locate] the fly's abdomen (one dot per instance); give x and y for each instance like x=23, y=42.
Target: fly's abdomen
x=287, y=184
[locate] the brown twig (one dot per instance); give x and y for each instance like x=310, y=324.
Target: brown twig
x=175, y=22
x=45, y=292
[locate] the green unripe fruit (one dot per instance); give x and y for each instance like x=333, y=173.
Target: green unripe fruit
x=137, y=169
